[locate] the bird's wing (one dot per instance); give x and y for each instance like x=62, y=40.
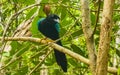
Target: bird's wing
x=40, y=21
x=57, y=26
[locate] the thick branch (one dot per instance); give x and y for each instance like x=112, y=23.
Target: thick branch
x=104, y=44
x=60, y=48
x=86, y=26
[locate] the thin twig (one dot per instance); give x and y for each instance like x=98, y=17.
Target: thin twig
x=97, y=17
x=39, y=52
x=10, y=62
x=14, y=58
x=70, y=28
x=10, y=20
x=40, y=63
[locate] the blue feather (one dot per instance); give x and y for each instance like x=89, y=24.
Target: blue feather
x=57, y=26
x=40, y=20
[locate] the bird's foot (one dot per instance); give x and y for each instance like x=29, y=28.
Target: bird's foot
x=48, y=40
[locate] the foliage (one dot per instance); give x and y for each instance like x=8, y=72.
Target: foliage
x=22, y=57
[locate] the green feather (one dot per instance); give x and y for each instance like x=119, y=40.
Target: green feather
x=40, y=21
x=57, y=26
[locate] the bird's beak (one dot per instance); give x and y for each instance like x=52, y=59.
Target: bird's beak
x=57, y=20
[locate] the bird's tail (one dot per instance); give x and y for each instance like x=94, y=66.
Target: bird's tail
x=61, y=58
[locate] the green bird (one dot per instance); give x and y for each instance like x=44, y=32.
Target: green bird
x=50, y=28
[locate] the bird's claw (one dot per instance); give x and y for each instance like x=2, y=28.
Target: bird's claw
x=48, y=40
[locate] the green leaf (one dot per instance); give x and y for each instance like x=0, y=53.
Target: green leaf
x=25, y=1
x=118, y=73
x=22, y=71
x=32, y=11
x=77, y=49
x=72, y=62
x=35, y=62
x=50, y=60
x=77, y=33
x=65, y=1
x=118, y=52
x=93, y=18
x=57, y=72
x=65, y=22
x=34, y=27
x=55, y=1
x=23, y=49
x=6, y=54
x=15, y=46
x=63, y=13
x=41, y=13
x=1, y=30
x=41, y=51
x=116, y=17
x=44, y=1
x=62, y=31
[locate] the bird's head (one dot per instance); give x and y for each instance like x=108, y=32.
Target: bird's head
x=47, y=9
x=53, y=18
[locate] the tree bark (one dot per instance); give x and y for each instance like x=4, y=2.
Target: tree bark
x=86, y=26
x=104, y=44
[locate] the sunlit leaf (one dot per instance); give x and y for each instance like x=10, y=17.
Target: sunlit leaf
x=23, y=49
x=72, y=62
x=50, y=60
x=63, y=13
x=22, y=71
x=30, y=14
x=77, y=33
x=118, y=52
x=34, y=27
x=15, y=47
x=93, y=18
x=77, y=49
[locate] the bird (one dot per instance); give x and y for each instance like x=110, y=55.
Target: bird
x=50, y=28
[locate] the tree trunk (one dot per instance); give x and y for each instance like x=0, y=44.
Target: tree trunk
x=104, y=44
x=86, y=26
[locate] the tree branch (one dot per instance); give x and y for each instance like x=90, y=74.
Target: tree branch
x=97, y=17
x=57, y=47
x=87, y=30
x=105, y=38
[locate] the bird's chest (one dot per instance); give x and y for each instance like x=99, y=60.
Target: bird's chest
x=47, y=27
